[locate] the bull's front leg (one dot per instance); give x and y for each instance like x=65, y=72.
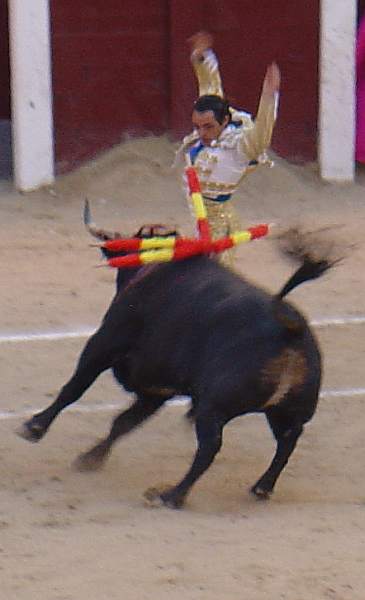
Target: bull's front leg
x=144, y=407
x=209, y=433
x=95, y=359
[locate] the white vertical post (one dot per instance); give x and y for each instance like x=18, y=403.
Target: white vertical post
x=31, y=93
x=337, y=93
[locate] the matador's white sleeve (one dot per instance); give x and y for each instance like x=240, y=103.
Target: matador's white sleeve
x=206, y=69
x=256, y=138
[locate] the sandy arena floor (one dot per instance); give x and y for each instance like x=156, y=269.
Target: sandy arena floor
x=71, y=536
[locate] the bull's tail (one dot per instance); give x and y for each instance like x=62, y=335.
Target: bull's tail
x=316, y=256
x=309, y=269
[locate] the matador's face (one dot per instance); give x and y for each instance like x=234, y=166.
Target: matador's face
x=207, y=126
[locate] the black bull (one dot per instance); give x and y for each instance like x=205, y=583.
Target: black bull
x=198, y=329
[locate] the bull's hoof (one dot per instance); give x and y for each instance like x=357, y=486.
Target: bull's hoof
x=156, y=497
x=260, y=492
x=31, y=431
x=93, y=460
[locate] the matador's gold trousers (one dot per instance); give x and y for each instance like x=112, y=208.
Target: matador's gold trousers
x=223, y=221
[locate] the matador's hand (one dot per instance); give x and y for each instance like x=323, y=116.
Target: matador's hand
x=272, y=79
x=199, y=42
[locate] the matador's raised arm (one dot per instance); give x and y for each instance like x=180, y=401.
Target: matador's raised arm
x=256, y=138
x=206, y=69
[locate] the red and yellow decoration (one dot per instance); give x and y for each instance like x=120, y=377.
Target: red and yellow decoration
x=198, y=204
x=166, y=249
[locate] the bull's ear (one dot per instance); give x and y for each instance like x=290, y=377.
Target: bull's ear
x=146, y=231
x=140, y=232
x=155, y=230
x=163, y=231
x=159, y=230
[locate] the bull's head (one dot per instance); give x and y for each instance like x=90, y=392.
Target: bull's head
x=146, y=231
x=124, y=276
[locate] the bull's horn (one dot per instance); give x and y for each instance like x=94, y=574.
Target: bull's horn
x=87, y=216
x=100, y=234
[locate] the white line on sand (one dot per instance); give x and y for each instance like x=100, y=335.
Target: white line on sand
x=180, y=401
x=83, y=333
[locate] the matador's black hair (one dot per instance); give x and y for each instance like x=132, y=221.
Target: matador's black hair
x=219, y=106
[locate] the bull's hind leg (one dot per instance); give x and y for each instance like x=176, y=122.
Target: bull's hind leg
x=95, y=358
x=144, y=407
x=286, y=429
x=209, y=433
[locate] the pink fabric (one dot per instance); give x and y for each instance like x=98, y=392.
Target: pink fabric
x=360, y=92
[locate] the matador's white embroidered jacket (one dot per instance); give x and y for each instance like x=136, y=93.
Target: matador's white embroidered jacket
x=241, y=145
